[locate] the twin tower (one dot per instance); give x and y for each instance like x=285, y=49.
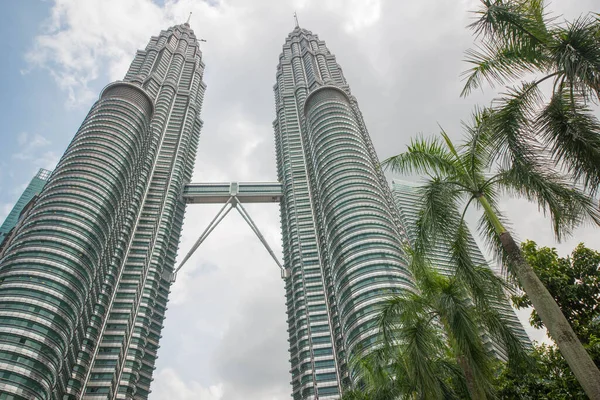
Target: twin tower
x=85, y=279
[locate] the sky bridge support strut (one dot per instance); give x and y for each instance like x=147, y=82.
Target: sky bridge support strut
x=262, y=192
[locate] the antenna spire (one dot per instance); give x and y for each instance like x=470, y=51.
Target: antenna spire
x=189, y=17
x=296, y=18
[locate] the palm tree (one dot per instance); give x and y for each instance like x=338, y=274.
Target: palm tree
x=432, y=340
x=520, y=41
x=441, y=307
x=413, y=362
x=460, y=177
x=376, y=379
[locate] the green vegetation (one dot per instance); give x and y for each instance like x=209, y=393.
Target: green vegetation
x=469, y=175
x=550, y=378
x=433, y=339
x=574, y=282
x=519, y=40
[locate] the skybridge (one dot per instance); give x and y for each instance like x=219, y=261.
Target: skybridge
x=219, y=193
x=231, y=195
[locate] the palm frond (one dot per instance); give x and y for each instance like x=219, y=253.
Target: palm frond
x=422, y=349
x=479, y=280
x=477, y=152
x=451, y=148
x=418, y=266
x=487, y=232
x=374, y=378
x=536, y=10
x=498, y=64
x=463, y=261
x=509, y=22
x=355, y=394
x=438, y=215
x=502, y=334
x=460, y=319
x=567, y=206
x=510, y=123
x=576, y=54
x=450, y=369
x=397, y=312
x=423, y=155
x=572, y=132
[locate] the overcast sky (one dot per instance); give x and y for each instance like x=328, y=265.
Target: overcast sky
x=225, y=334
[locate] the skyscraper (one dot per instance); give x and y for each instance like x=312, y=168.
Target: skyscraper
x=84, y=282
x=407, y=199
x=33, y=189
x=341, y=233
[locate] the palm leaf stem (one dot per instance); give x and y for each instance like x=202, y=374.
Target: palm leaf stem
x=491, y=214
x=462, y=217
x=536, y=83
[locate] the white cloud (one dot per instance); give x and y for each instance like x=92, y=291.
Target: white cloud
x=82, y=40
x=358, y=14
x=170, y=384
x=5, y=209
x=35, y=148
x=22, y=138
x=29, y=142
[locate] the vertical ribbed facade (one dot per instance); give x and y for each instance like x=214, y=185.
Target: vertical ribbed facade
x=407, y=198
x=85, y=281
x=341, y=233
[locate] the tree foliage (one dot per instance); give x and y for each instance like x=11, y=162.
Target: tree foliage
x=573, y=281
x=521, y=45
x=432, y=340
x=549, y=378
x=473, y=174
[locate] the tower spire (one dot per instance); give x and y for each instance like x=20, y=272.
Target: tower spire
x=296, y=18
x=189, y=17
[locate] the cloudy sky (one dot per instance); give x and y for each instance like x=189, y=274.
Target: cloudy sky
x=225, y=332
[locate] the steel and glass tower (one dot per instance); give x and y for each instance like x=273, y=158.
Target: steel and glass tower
x=33, y=189
x=341, y=233
x=84, y=282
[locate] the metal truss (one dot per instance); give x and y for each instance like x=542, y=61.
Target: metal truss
x=233, y=202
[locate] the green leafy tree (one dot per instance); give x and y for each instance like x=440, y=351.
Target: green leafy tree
x=467, y=175
x=573, y=281
x=521, y=45
x=549, y=378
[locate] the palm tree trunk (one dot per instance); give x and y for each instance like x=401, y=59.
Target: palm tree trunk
x=469, y=378
x=558, y=327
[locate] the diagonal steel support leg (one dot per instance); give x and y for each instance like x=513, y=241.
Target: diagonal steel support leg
x=254, y=228
x=233, y=202
x=213, y=224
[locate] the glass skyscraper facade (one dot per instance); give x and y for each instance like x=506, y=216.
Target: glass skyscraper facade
x=33, y=189
x=341, y=232
x=85, y=280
